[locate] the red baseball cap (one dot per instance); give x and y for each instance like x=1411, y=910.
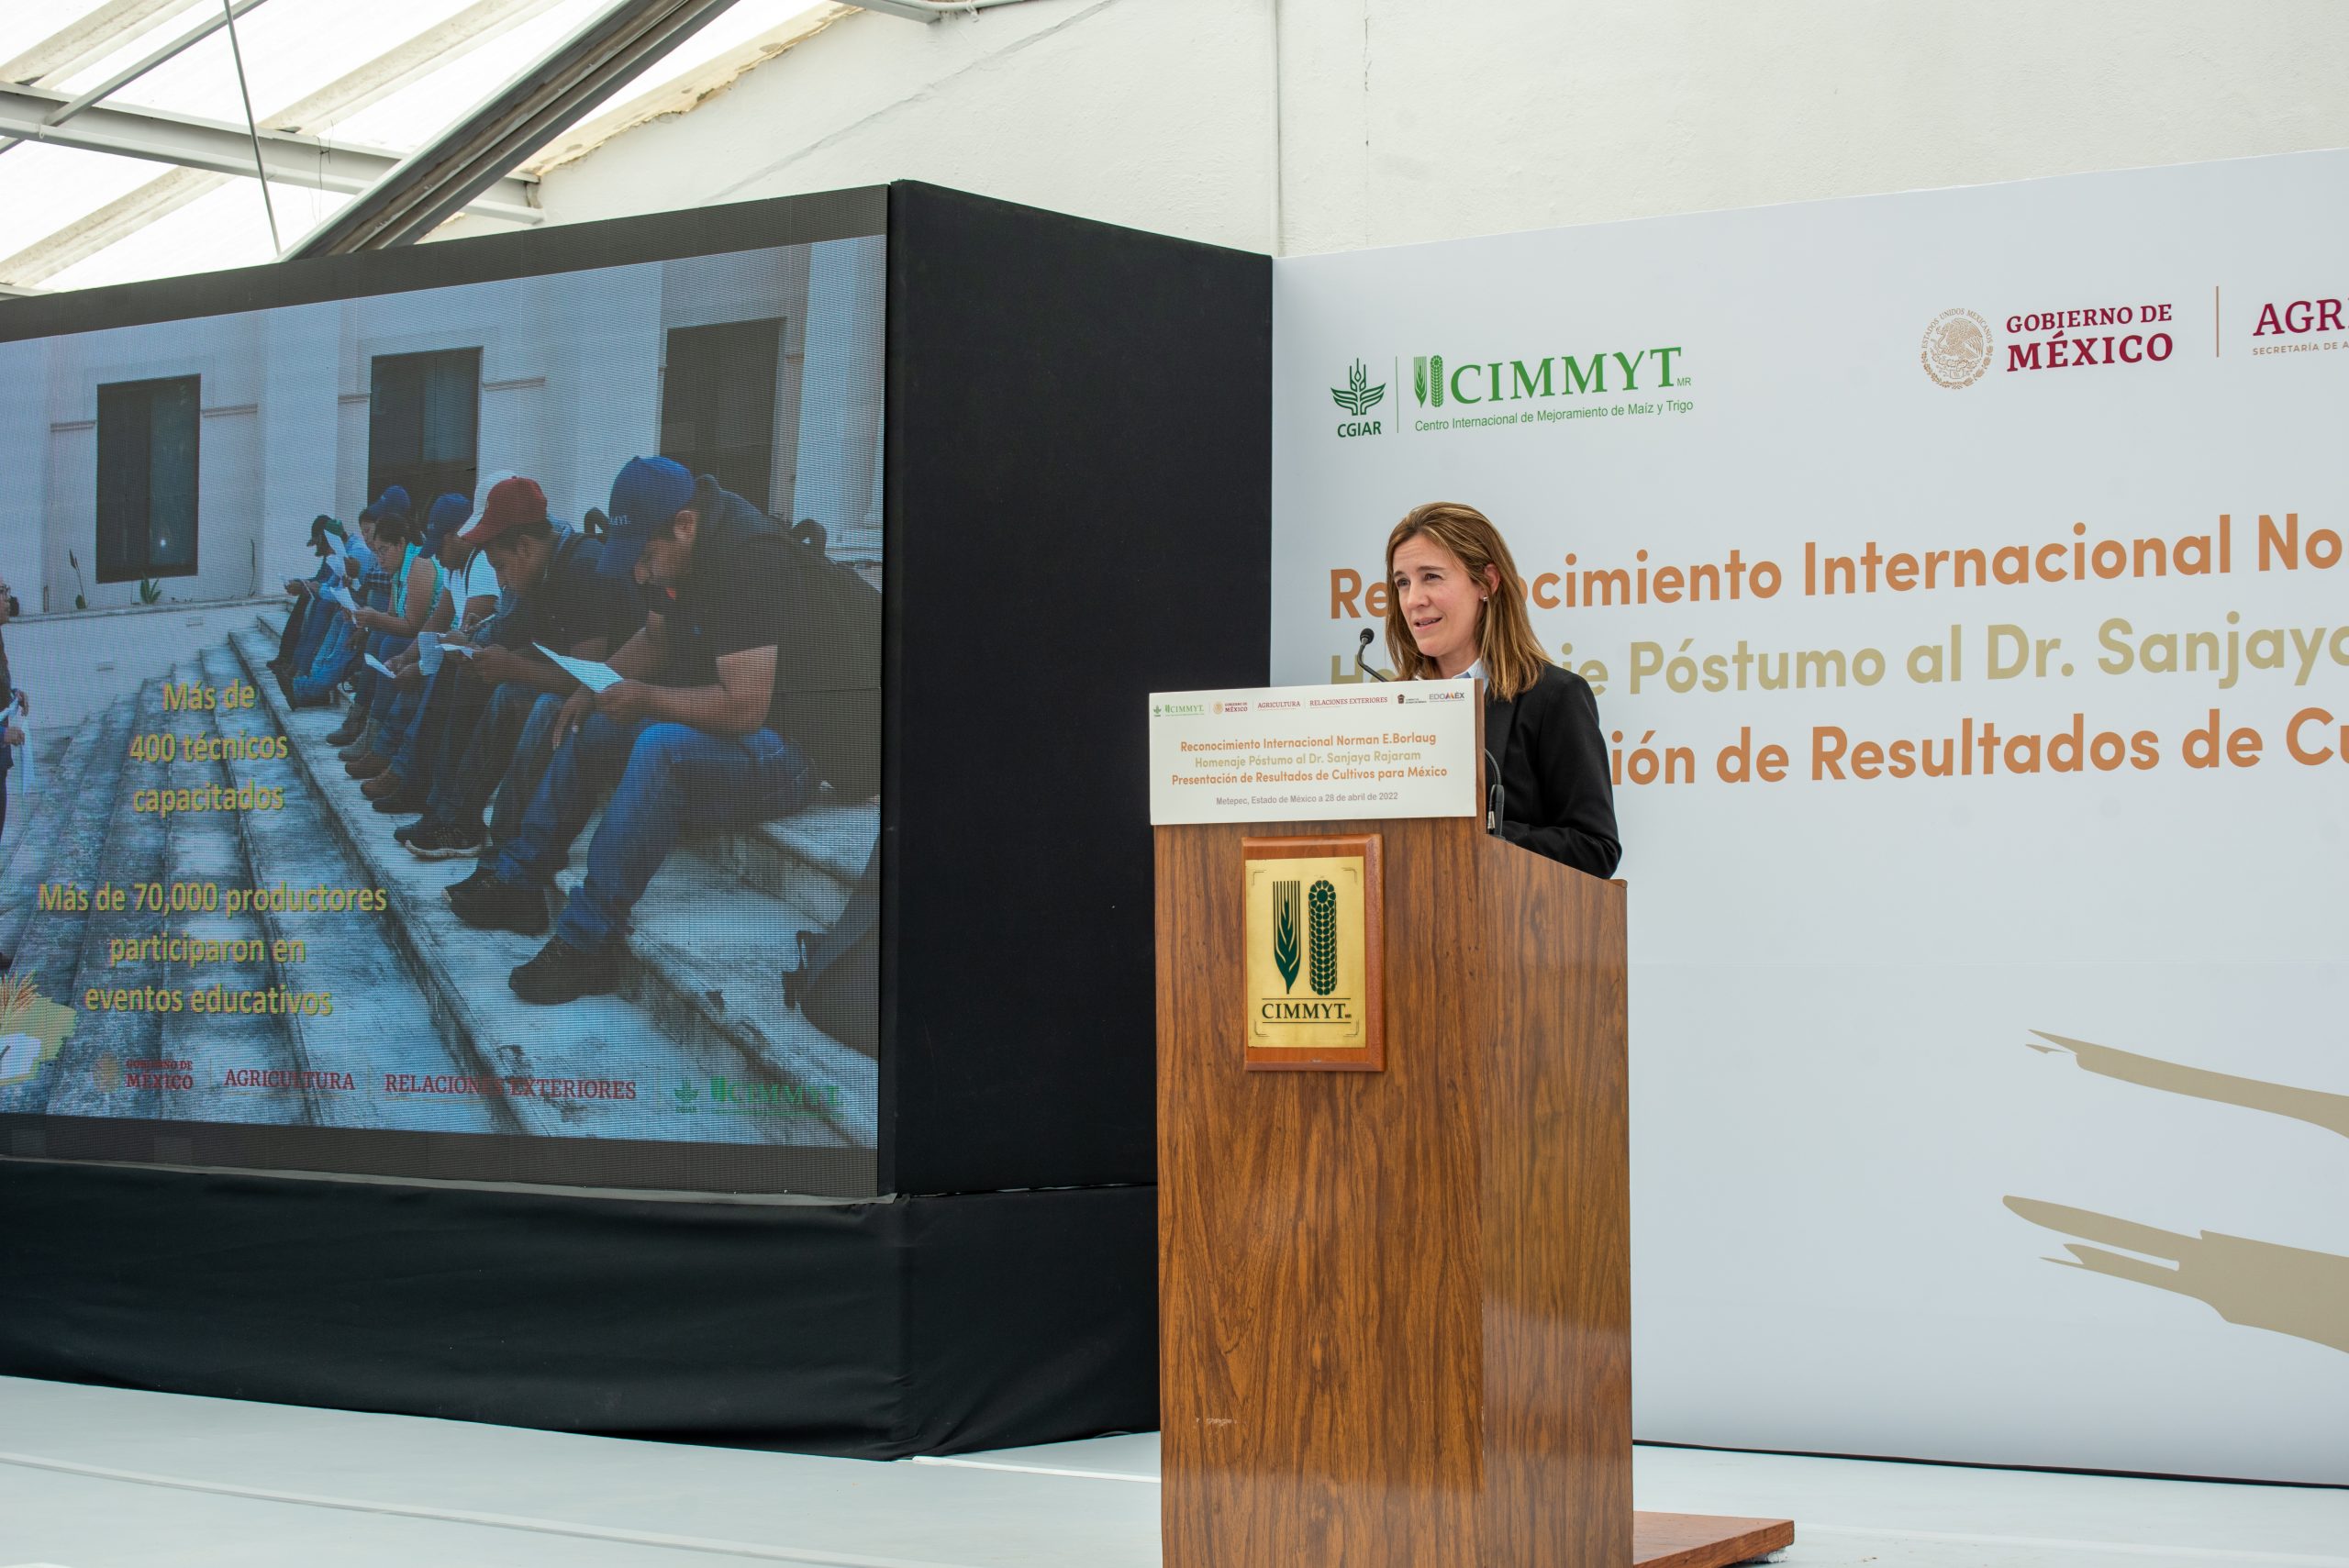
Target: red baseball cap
x=511, y=504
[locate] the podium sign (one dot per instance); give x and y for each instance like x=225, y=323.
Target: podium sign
x=1407, y=748
x=1314, y=955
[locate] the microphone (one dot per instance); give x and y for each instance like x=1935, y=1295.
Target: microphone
x=1359, y=648
x=1496, y=793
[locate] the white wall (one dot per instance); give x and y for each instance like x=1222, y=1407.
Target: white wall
x=571, y=389
x=73, y=665
x=1404, y=120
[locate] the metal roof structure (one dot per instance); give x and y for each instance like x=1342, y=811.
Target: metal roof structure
x=150, y=137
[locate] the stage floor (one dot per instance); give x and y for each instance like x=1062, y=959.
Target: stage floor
x=101, y=1478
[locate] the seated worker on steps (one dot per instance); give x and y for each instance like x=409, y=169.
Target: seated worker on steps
x=703, y=732
x=557, y=596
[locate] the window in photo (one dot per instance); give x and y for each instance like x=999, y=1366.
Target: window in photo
x=147, y=478
x=424, y=423
x=717, y=395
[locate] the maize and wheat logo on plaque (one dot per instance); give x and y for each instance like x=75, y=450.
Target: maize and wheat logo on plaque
x=1313, y=954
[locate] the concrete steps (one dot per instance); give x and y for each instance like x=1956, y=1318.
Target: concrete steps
x=360, y=963
x=242, y=1062
x=33, y=840
x=59, y=759
x=88, y=1074
x=701, y=996
x=810, y=861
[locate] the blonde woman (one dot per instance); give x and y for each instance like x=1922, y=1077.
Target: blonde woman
x=1459, y=611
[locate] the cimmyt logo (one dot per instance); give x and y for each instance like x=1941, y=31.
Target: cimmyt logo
x=1318, y=960
x=1956, y=351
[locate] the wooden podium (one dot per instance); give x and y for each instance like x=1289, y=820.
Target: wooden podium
x=1395, y=1305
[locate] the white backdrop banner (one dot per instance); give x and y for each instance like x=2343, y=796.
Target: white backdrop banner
x=1961, y=576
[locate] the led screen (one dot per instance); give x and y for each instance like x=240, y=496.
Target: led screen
x=447, y=730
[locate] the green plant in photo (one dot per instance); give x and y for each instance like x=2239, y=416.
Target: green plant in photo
x=150, y=589
x=81, y=598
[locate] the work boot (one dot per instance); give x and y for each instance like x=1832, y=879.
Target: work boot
x=488, y=904
x=564, y=974
x=407, y=801
x=367, y=765
x=446, y=841
x=352, y=729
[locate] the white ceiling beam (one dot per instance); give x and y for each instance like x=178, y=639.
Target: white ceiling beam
x=405, y=63
x=132, y=72
x=925, y=10
x=170, y=52
x=219, y=148
x=447, y=174
x=428, y=50
x=84, y=43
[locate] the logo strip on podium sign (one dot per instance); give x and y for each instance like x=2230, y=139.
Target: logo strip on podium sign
x=1314, y=968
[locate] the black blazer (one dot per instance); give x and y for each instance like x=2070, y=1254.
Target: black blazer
x=1553, y=767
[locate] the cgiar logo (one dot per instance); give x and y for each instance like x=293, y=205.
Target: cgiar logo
x=1358, y=397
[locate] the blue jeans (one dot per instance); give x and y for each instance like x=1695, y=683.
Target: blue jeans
x=533, y=754
x=477, y=751
x=389, y=709
x=303, y=646
x=366, y=685
x=338, y=651
x=669, y=776
x=414, y=741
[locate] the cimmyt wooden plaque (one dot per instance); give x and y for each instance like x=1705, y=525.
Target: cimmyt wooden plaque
x=1313, y=967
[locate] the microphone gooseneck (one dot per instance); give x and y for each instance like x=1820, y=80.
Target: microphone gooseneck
x=1363, y=647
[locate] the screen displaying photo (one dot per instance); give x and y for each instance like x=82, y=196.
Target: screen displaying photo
x=444, y=730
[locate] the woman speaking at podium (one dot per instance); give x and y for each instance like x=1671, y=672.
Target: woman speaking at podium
x=1458, y=611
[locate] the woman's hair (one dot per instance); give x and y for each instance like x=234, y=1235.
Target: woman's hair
x=397, y=528
x=1505, y=641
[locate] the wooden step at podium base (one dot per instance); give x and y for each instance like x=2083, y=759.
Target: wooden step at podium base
x=1704, y=1540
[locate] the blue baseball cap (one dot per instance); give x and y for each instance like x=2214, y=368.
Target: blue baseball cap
x=392, y=499
x=648, y=492
x=448, y=514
